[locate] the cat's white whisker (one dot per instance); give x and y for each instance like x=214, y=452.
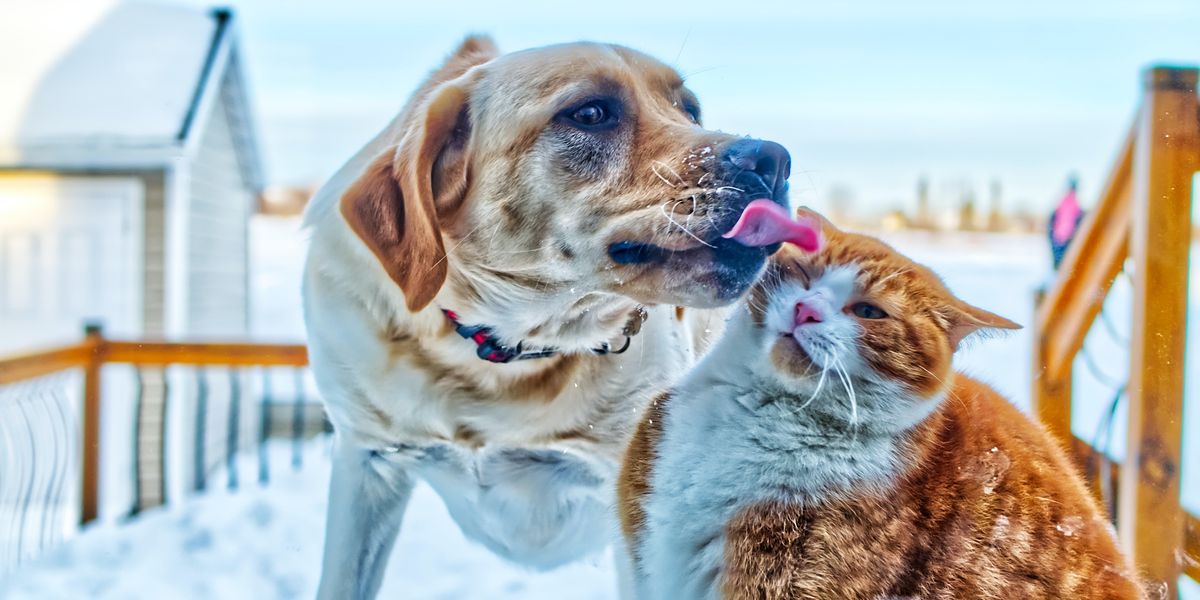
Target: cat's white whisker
x=893, y=276
x=820, y=384
x=840, y=369
x=932, y=374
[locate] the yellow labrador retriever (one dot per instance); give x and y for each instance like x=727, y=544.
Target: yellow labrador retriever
x=495, y=290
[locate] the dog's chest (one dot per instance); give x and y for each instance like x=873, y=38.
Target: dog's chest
x=541, y=506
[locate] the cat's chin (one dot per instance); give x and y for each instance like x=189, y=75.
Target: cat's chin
x=790, y=359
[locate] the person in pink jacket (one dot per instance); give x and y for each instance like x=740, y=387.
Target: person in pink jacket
x=1064, y=221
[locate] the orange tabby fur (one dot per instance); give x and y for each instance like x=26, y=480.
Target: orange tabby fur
x=986, y=504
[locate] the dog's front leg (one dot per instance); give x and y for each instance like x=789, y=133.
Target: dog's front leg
x=367, y=497
x=627, y=580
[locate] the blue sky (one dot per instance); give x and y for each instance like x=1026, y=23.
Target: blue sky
x=868, y=96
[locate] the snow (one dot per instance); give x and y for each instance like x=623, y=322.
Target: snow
x=266, y=542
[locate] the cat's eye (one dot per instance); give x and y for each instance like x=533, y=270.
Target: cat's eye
x=866, y=310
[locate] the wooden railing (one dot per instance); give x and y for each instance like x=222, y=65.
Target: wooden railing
x=95, y=352
x=1143, y=219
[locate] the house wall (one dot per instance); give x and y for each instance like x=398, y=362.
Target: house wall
x=154, y=255
x=219, y=208
x=70, y=252
x=220, y=198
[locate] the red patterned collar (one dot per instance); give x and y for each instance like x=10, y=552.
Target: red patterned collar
x=489, y=347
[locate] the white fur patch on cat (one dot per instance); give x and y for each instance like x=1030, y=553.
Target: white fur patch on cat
x=737, y=433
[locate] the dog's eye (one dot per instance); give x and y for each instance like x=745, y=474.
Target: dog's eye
x=594, y=115
x=866, y=310
x=692, y=111
x=590, y=114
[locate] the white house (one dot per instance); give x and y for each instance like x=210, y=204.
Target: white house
x=128, y=172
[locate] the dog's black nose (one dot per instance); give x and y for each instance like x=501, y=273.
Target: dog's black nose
x=770, y=161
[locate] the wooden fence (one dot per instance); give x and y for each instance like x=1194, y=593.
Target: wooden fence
x=1142, y=224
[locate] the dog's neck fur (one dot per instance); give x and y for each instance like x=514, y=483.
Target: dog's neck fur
x=570, y=320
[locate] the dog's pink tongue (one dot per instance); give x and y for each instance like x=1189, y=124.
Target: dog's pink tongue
x=764, y=223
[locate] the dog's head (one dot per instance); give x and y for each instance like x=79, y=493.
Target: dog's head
x=565, y=170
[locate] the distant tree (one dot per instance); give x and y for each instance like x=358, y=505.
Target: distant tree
x=967, y=213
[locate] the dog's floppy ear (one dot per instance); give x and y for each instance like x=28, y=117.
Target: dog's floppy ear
x=395, y=205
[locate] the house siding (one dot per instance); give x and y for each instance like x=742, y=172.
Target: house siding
x=154, y=252
x=219, y=208
x=221, y=200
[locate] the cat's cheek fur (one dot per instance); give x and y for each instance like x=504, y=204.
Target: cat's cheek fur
x=912, y=351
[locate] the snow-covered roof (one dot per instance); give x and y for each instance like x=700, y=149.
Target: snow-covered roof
x=102, y=85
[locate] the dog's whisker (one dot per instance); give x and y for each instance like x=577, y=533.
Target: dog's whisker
x=515, y=269
x=663, y=208
x=691, y=192
x=455, y=246
x=692, y=212
x=654, y=168
x=669, y=169
x=531, y=250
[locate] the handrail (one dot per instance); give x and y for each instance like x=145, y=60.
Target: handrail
x=206, y=353
x=1143, y=216
x=1066, y=314
x=1092, y=260
x=95, y=351
x=32, y=365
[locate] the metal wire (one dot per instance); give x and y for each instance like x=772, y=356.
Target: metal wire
x=36, y=446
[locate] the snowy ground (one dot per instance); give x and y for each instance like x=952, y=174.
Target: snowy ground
x=265, y=543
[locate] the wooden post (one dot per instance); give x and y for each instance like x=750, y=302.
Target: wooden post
x=1165, y=158
x=1051, y=390
x=90, y=483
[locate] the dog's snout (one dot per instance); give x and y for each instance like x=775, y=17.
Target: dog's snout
x=769, y=160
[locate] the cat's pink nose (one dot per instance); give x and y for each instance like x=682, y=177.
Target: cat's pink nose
x=806, y=314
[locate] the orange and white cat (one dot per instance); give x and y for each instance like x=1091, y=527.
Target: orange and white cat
x=825, y=448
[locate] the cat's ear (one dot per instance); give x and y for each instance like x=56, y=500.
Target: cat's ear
x=966, y=319
x=805, y=212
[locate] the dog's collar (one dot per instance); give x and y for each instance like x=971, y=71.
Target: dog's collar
x=489, y=348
